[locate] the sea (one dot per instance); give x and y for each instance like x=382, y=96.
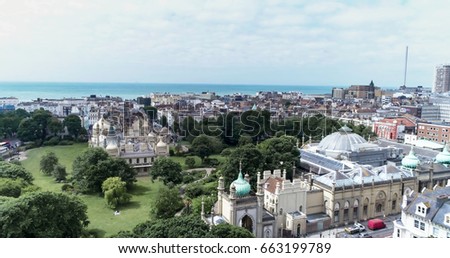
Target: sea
x=27, y=91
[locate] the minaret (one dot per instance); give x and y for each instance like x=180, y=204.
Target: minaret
x=220, y=192
x=260, y=208
x=202, y=213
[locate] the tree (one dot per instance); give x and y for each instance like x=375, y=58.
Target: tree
x=208, y=202
x=244, y=140
x=48, y=162
x=190, y=162
x=43, y=215
x=204, y=145
x=167, y=203
x=251, y=158
x=115, y=192
x=226, y=230
x=59, y=172
x=167, y=170
x=73, y=125
x=54, y=125
x=280, y=153
x=36, y=128
x=177, y=227
x=11, y=187
x=94, y=166
x=13, y=171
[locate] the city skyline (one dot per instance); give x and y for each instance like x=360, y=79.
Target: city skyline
x=223, y=42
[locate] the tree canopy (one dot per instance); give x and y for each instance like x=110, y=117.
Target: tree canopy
x=43, y=215
x=167, y=170
x=14, y=171
x=73, y=125
x=115, y=192
x=48, y=162
x=204, y=145
x=167, y=203
x=251, y=158
x=94, y=166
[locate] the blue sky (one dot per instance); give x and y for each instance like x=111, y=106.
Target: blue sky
x=235, y=41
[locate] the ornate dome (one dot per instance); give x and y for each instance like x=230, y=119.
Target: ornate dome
x=161, y=143
x=443, y=157
x=241, y=185
x=102, y=124
x=410, y=161
x=342, y=140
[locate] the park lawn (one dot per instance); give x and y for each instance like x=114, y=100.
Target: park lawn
x=182, y=161
x=102, y=219
x=66, y=154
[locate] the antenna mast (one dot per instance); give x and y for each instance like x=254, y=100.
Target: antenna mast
x=406, y=66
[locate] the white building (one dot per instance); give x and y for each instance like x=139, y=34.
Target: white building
x=426, y=214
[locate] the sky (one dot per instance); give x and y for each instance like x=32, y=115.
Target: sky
x=287, y=42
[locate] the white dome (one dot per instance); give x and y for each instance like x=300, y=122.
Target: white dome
x=161, y=143
x=151, y=134
x=343, y=140
x=102, y=124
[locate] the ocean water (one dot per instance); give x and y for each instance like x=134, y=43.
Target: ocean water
x=26, y=91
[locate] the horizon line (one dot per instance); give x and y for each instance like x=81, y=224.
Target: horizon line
x=188, y=83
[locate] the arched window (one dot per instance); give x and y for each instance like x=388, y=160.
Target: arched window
x=336, y=212
x=346, y=207
x=355, y=209
x=247, y=223
x=300, y=208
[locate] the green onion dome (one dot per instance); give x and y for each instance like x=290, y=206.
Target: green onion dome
x=241, y=185
x=410, y=161
x=443, y=157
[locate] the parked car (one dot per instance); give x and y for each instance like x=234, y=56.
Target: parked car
x=375, y=224
x=355, y=228
x=365, y=235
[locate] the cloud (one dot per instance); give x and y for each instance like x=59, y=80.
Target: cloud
x=218, y=39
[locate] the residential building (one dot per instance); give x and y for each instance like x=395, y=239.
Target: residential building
x=425, y=214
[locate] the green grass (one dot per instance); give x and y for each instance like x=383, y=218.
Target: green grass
x=182, y=161
x=102, y=218
x=66, y=154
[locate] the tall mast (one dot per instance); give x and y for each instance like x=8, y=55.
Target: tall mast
x=406, y=66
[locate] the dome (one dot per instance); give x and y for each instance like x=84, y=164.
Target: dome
x=151, y=134
x=164, y=130
x=241, y=185
x=102, y=124
x=342, y=140
x=443, y=157
x=161, y=143
x=410, y=161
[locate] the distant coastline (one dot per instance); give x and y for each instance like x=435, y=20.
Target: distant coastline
x=27, y=91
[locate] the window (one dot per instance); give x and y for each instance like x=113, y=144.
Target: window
x=422, y=226
x=447, y=219
x=137, y=160
x=398, y=232
x=394, y=204
x=416, y=223
x=435, y=231
x=130, y=161
x=145, y=160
